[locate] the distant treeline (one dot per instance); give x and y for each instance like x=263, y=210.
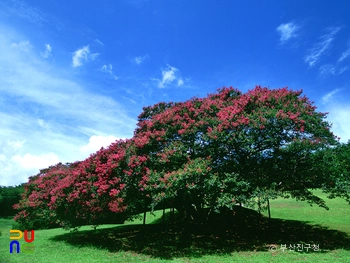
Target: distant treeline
x=9, y=195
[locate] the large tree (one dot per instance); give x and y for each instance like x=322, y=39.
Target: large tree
x=33, y=209
x=231, y=147
x=198, y=156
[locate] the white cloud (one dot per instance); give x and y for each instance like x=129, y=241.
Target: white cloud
x=30, y=161
x=93, y=56
x=287, y=31
x=329, y=96
x=344, y=55
x=338, y=112
x=139, y=60
x=329, y=69
x=109, y=69
x=82, y=55
x=96, y=142
x=338, y=108
x=319, y=49
x=169, y=75
x=342, y=70
x=47, y=52
x=22, y=45
x=47, y=117
x=99, y=42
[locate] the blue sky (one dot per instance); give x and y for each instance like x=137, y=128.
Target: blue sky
x=74, y=75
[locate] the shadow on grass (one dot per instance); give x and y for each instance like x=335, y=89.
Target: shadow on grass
x=241, y=230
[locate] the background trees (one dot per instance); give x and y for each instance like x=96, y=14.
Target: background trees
x=198, y=156
x=332, y=170
x=9, y=196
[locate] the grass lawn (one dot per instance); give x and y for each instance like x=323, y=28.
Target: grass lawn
x=246, y=238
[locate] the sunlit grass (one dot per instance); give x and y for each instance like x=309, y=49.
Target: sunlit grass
x=337, y=217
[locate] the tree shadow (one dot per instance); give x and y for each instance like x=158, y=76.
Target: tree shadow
x=239, y=230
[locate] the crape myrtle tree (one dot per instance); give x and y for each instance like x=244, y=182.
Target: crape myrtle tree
x=198, y=156
x=231, y=148
x=101, y=189
x=91, y=192
x=33, y=209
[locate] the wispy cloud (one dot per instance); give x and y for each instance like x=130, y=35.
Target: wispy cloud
x=82, y=55
x=46, y=117
x=321, y=47
x=22, y=45
x=342, y=70
x=170, y=75
x=327, y=69
x=337, y=68
x=109, y=69
x=43, y=124
x=47, y=52
x=330, y=69
x=140, y=59
x=287, y=31
x=329, y=96
x=21, y=9
x=99, y=42
x=344, y=55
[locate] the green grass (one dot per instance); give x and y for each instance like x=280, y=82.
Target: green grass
x=243, y=238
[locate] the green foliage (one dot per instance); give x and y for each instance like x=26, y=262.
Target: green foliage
x=201, y=155
x=333, y=168
x=9, y=195
x=232, y=148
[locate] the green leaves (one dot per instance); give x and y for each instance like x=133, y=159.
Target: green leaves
x=258, y=144
x=205, y=153
x=333, y=165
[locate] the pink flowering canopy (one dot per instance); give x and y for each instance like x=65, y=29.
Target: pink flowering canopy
x=231, y=147
x=205, y=153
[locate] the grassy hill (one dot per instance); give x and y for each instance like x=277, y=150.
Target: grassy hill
x=243, y=237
